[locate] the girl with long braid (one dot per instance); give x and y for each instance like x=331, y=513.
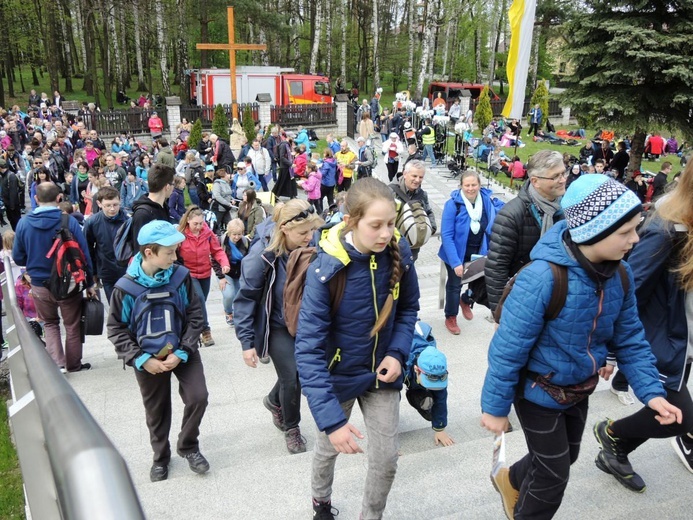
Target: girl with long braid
x=354, y=349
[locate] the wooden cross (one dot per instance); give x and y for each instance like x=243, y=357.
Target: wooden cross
x=232, y=47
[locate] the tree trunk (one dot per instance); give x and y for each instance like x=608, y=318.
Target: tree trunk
x=2, y=88
x=534, y=64
x=496, y=14
x=342, y=17
x=163, y=59
x=425, y=51
x=103, y=41
x=79, y=26
x=412, y=38
x=477, y=50
x=87, y=40
x=204, y=33
x=183, y=60
x=637, y=148
x=67, y=56
x=317, y=31
x=448, y=41
x=376, y=46
x=112, y=45
x=138, y=45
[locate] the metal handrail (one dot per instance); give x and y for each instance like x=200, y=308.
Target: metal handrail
x=91, y=478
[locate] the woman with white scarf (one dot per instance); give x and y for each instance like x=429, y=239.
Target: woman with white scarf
x=465, y=230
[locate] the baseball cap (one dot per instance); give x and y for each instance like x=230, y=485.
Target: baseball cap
x=434, y=368
x=361, y=139
x=241, y=164
x=160, y=232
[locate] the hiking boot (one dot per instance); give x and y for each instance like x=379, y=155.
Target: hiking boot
x=229, y=319
x=451, y=325
x=295, y=442
x=83, y=367
x=613, y=458
x=197, y=462
x=684, y=450
x=206, y=338
x=508, y=493
x=277, y=417
x=623, y=397
x=324, y=510
x=466, y=311
x=158, y=472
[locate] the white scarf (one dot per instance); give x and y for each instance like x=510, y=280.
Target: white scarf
x=475, y=211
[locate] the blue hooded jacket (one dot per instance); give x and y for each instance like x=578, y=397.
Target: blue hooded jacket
x=573, y=347
x=335, y=356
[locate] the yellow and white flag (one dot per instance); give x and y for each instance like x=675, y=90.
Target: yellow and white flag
x=521, y=17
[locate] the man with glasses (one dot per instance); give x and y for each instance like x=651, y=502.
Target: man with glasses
x=523, y=220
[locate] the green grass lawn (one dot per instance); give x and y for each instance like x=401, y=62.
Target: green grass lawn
x=11, y=492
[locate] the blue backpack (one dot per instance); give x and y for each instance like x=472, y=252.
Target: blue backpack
x=423, y=337
x=158, y=313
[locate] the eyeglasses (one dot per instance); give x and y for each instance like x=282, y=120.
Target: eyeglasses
x=302, y=215
x=555, y=178
x=432, y=377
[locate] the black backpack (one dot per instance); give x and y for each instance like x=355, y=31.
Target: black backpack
x=69, y=272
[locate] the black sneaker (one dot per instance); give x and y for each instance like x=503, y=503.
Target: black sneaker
x=158, y=472
x=197, y=462
x=613, y=458
x=684, y=451
x=82, y=367
x=295, y=442
x=277, y=416
x=324, y=510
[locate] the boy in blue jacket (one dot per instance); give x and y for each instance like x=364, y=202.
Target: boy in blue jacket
x=547, y=368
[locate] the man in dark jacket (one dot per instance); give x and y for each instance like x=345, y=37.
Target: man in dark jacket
x=408, y=187
x=10, y=194
x=100, y=231
x=523, y=220
x=153, y=206
x=223, y=155
x=660, y=180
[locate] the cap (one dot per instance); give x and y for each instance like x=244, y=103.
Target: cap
x=360, y=139
x=241, y=164
x=160, y=232
x=595, y=206
x=393, y=134
x=434, y=368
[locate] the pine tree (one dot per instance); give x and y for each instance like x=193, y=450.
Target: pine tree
x=220, y=123
x=249, y=124
x=195, y=135
x=541, y=96
x=484, y=114
x=633, y=62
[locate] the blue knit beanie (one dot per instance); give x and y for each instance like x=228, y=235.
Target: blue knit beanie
x=595, y=206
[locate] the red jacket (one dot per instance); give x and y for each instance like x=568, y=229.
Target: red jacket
x=195, y=252
x=656, y=145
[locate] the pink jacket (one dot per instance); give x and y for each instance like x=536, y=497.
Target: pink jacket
x=312, y=186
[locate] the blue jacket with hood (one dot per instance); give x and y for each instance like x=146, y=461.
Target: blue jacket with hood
x=336, y=357
x=454, y=226
x=573, y=347
x=35, y=233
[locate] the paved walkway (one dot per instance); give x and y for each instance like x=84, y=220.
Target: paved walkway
x=252, y=476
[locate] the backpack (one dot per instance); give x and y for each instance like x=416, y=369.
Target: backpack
x=296, y=267
x=123, y=247
x=412, y=221
x=158, y=313
x=68, y=275
x=559, y=292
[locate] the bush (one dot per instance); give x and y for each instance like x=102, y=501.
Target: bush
x=220, y=123
x=195, y=135
x=249, y=124
x=541, y=96
x=484, y=113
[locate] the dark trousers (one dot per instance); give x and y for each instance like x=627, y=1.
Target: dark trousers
x=553, y=439
x=534, y=127
x=346, y=184
x=201, y=286
x=317, y=204
x=156, y=396
x=619, y=382
x=642, y=425
x=287, y=390
x=327, y=191
x=392, y=168
x=13, y=216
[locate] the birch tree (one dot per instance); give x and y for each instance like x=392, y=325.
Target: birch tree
x=163, y=59
x=316, y=39
x=376, y=32
x=138, y=46
x=342, y=13
x=412, y=40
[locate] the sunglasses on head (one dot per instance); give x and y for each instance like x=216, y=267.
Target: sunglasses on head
x=302, y=215
x=432, y=377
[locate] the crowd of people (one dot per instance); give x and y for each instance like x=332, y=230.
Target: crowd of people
x=230, y=210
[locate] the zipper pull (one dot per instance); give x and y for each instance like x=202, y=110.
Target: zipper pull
x=373, y=264
x=395, y=292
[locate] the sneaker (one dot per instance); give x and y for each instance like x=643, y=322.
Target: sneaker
x=613, y=458
x=197, y=462
x=206, y=338
x=63, y=370
x=277, y=417
x=684, y=451
x=451, y=325
x=158, y=472
x=624, y=397
x=324, y=510
x=229, y=319
x=295, y=442
x=466, y=311
x=82, y=367
x=508, y=493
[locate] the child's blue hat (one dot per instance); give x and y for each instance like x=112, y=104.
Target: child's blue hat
x=434, y=368
x=160, y=232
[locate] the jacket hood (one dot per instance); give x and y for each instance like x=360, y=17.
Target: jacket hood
x=332, y=244
x=44, y=218
x=145, y=201
x=551, y=247
x=138, y=275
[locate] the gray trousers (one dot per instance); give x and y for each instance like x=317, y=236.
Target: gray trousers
x=380, y=409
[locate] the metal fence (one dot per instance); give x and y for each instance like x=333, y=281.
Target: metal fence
x=497, y=107
x=71, y=470
x=205, y=113
x=310, y=114
x=128, y=121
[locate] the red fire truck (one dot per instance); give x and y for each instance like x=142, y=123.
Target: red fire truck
x=213, y=86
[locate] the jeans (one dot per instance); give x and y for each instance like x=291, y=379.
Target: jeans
x=229, y=293
x=428, y=152
x=194, y=197
x=286, y=392
x=201, y=286
x=553, y=439
x=263, y=182
x=453, y=287
x=380, y=409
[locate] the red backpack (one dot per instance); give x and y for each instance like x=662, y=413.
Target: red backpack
x=69, y=273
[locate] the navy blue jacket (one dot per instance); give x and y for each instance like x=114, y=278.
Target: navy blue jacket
x=661, y=299
x=335, y=356
x=35, y=233
x=573, y=347
x=99, y=232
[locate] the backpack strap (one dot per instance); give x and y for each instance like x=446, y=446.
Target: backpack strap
x=625, y=281
x=398, y=191
x=177, y=277
x=337, y=285
x=559, y=292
